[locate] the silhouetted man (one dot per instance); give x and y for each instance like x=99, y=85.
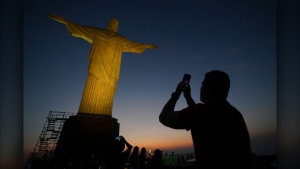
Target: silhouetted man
x=117, y=156
x=220, y=135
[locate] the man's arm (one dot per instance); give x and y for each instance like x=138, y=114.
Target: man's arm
x=129, y=146
x=188, y=97
x=168, y=116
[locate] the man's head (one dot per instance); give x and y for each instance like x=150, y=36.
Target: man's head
x=215, y=85
x=113, y=25
x=118, y=145
x=158, y=152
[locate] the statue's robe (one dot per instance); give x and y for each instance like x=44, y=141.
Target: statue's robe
x=104, y=69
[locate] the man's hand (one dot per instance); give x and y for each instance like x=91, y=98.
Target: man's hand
x=179, y=88
x=127, y=144
x=122, y=138
x=187, y=91
x=187, y=95
x=152, y=46
x=56, y=18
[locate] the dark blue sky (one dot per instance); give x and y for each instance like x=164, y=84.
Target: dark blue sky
x=238, y=37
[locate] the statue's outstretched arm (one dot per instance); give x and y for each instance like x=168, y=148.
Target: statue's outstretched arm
x=56, y=18
x=135, y=47
x=85, y=32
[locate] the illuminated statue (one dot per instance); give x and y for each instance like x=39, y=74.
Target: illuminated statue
x=105, y=63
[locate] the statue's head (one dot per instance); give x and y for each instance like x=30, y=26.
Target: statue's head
x=113, y=25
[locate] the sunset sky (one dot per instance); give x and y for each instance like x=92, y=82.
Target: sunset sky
x=238, y=37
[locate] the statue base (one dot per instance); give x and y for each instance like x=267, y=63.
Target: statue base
x=82, y=136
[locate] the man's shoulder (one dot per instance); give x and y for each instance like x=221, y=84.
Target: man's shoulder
x=198, y=105
x=194, y=108
x=232, y=108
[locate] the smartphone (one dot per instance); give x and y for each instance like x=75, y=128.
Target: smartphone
x=186, y=80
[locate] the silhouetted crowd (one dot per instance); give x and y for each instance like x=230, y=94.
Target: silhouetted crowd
x=119, y=157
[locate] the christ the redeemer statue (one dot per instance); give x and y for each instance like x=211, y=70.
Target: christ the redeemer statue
x=105, y=63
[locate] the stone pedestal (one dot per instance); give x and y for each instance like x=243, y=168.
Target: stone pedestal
x=82, y=136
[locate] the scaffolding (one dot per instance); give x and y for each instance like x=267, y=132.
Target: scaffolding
x=49, y=137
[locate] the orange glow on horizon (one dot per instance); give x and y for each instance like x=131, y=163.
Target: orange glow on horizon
x=164, y=145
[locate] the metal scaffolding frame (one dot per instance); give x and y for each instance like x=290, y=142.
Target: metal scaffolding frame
x=49, y=136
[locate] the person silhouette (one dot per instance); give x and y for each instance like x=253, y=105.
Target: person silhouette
x=134, y=161
x=181, y=159
x=142, y=158
x=173, y=159
x=219, y=132
x=156, y=161
x=166, y=159
x=117, y=157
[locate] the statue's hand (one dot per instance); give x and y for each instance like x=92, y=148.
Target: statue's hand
x=152, y=46
x=56, y=18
